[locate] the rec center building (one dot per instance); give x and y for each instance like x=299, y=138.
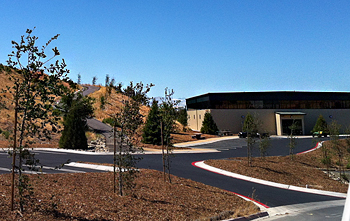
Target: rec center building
x=276, y=110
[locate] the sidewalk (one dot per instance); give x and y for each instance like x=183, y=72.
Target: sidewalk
x=148, y=150
x=204, y=141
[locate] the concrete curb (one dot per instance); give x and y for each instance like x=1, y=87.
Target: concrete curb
x=251, y=217
x=204, y=166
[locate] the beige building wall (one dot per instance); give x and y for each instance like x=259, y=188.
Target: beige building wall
x=231, y=119
x=195, y=118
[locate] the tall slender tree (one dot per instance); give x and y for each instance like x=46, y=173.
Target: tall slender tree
x=168, y=116
x=292, y=138
x=37, y=81
x=334, y=131
x=250, y=126
x=126, y=130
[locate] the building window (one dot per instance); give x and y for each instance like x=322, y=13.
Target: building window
x=194, y=116
x=199, y=117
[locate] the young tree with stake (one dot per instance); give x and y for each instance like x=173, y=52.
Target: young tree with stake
x=36, y=83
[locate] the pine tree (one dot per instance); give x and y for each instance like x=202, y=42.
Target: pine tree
x=77, y=110
x=209, y=126
x=151, y=130
x=182, y=117
x=321, y=125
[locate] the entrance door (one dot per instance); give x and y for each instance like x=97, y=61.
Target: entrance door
x=286, y=126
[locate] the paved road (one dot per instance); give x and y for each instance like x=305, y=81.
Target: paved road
x=181, y=166
x=90, y=89
x=330, y=210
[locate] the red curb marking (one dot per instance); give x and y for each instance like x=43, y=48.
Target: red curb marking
x=260, y=203
x=306, y=151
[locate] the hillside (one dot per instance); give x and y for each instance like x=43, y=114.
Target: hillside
x=114, y=104
x=7, y=112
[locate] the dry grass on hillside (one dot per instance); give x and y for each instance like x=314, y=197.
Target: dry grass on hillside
x=115, y=104
x=89, y=196
x=7, y=114
x=304, y=169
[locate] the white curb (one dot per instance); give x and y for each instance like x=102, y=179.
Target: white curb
x=204, y=166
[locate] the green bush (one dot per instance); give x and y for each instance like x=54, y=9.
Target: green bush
x=182, y=117
x=110, y=121
x=151, y=130
x=209, y=126
x=77, y=110
x=321, y=125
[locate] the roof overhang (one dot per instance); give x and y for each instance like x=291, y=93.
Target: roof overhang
x=290, y=113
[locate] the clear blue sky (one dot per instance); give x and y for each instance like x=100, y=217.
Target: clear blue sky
x=194, y=46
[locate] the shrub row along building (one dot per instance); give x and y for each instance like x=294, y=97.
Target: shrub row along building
x=276, y=110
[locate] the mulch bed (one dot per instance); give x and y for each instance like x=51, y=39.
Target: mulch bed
x=89, y=196
x=304, y=169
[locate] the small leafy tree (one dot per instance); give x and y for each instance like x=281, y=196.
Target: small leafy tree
x=76, y=110
x=264, y=144
x=130, y=121
x=126, y=126
x=326, y=157
x=334, y=130
x=168, y=116
x=209, y=126
x=138, y=92
x=292, y=138
x=321, y=125
x=250, y=126
x=36, y=83
x=152, y=128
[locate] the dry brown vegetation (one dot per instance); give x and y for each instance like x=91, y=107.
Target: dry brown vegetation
x=89, y=196
x=304, y=169
x=7, y=114
x=115, y=104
